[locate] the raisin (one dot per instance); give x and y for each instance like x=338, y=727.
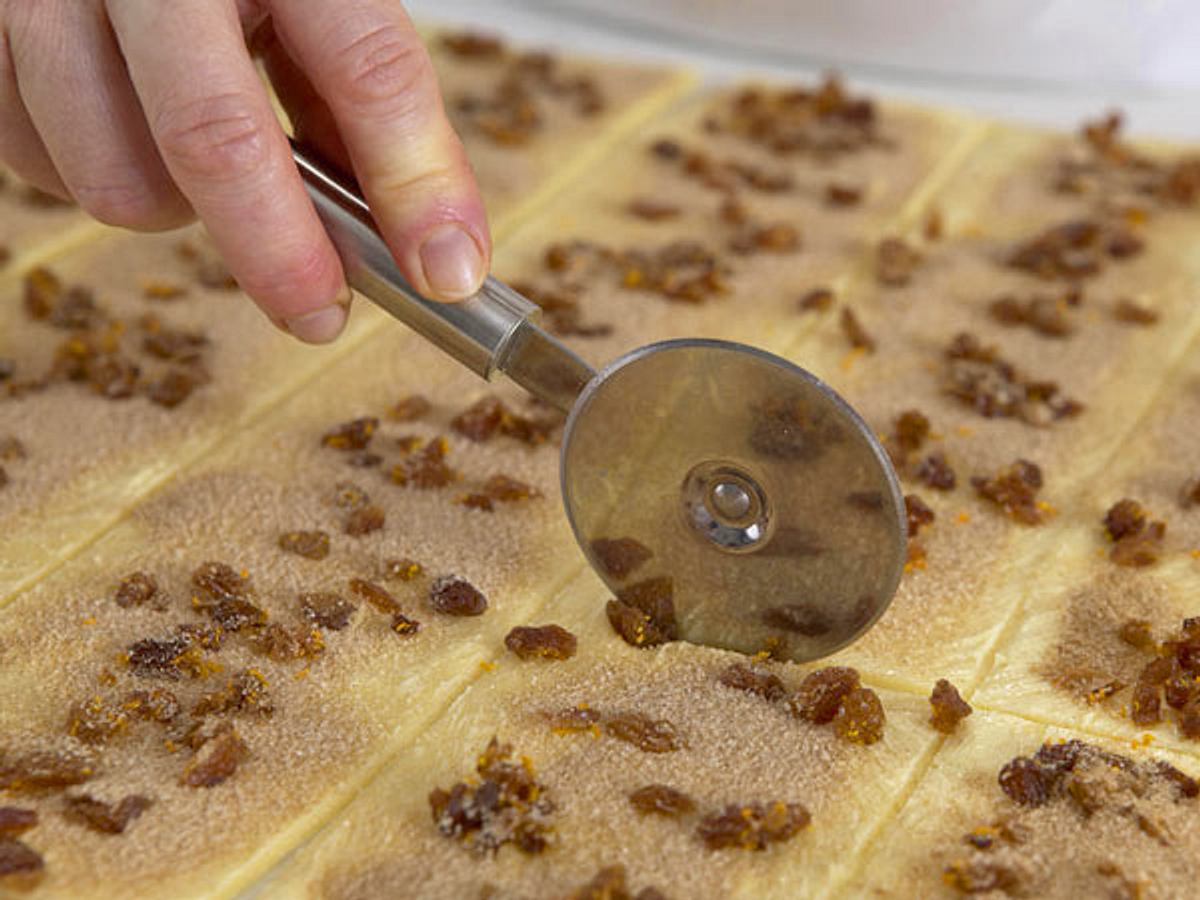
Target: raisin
x=895, y=262
x=136, y=590
x=106, y=818
x=1014, y=489
x=934, y=226
x=655, y=598
x=821, y=694
x=403, y=625
x=426, y=468
x=1024, y=781
x=1070, y=251
x=1124, y=518
x=364, y=521
x=666, y=149
x=1131, y=313
x=173, y=345
x=861, y=718
x=753, y=680
x=18, y=859
x=918, y=512
x=1136, y=633
x=647, y=734
x=506, y=805
x=855, y=333
x=378, y=596
x=327, y=610
x=347, y=495
x=620, y=557
x=1044, y=315
x=151, y=658
x=455, y=596
x=816, y=300
x=221, y=582
x=1186, y=786
x=157, y=705
x=11, y=448
x=480, y=421
x=172, y=388
x=543, y=642
x=217, y=759
x=798, y=618
x=43, y=289
x=936, y=473
x=473, y=45
x=309, y=544
x=909, y=432
x=652, y=210
x=949, y=708
x=610, y=884
x=94, y=721
x=752, y=826
x=162, y=290
x=978, y=377
x=41, y=770
x=634, y=626
x=14, y=820
x=658, y=799
x=402, y=569
x=1145, y=705
x=409, y=409
x=842, y=195
x=1189, y=495
x=353, y=435
x=284, y=643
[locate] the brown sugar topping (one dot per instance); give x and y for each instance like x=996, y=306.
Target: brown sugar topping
x=506, y=805
x=1014, y=490
x=549, y=642
x=1137, y=541
x=752, y=826
x=309, y=544
x=106, y=818
x=661, y=800
x=451, y=595
x=949, y=708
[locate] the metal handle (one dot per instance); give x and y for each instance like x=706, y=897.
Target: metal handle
x=478, y=331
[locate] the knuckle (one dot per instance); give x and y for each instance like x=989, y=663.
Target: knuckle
x=126, y=204
x=386, y=66
x=217, y=138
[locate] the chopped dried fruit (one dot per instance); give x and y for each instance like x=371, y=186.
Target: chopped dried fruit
x=403, y=625
x=327, y=610
x=172, y=388
x=775, y=237
x=855, y=333
x=753, y=680
x=364, y=521
x=1025, y=782
x=822, y=692
x=934, y=472
x=246, y=691
x=1073, y=250
x=43, y=290
x=506, y=806
x=402, y=569
x=919, y=514
x=861, y=718
x=162, y=290
x=136, y=590
x=96, y=721
x=42, y=770
x=217, y=759
x=454, y=596
x=634, y=626
x=542, y=642
x=488, y=417
x=176, y=346
x=107, y=818
x=309, y=544
x=752, y=826
x=1131, y=313
x=426, y=468
x=895, y=262
x=660, y=800
x=14, y=820
x=816, y=300
x=18, y=859
x=409, y=409
x=980, y=378
x=347, y=495
x=576, y=719
x=473, y=45
x=981, y=877
x=655, y=598
x=949, y=708
x=652, y=210
x=647, y=734
x=610, y=884
x=284, y=643
x=843, y=195
x=150, y=658
x=1137, y=541
x=352, y=435
x=157, y=705
x=1014, y=490
x=620, y=557
x=379, y=597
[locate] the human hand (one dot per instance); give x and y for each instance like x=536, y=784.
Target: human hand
x=149, y=113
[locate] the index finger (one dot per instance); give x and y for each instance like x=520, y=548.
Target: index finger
x=220, y=140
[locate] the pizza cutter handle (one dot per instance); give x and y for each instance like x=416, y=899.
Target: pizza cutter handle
x=479, y=332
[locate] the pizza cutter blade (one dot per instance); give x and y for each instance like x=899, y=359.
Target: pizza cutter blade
x=724, y=494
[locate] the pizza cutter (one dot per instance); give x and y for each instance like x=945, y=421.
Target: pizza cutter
x=725, y=495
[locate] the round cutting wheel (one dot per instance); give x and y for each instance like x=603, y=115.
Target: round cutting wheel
x=732, y=499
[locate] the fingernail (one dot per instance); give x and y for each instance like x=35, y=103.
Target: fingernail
x=318, y=327
x=452, y=262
